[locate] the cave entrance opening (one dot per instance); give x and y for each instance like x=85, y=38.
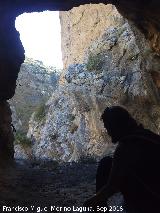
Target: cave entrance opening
x=40, y=34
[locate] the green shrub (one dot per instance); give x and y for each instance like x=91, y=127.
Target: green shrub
x=147, y=52
x=94, y=62
x=71, y=117
x=40, y=112
x=21, y=139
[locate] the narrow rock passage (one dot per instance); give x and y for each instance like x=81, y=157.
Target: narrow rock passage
x=38, y=187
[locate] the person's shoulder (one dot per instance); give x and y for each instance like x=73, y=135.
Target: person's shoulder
x=140, y=141
x=142, y=136
x=122, y=148
x=130, y=137
x=130, y=140
x=130, y=144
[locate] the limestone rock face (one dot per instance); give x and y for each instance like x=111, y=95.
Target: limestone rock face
x=16, y=121
x=126, y=61
x=116, y=70
x=35, y=84
x=71, y=128
x=81, y=26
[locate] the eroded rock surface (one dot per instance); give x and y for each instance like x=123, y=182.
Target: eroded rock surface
x=70, y=128
x=116, y=71
x=35, y=84
x=81, y=26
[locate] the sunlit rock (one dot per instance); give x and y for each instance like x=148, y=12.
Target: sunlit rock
x=116, y=70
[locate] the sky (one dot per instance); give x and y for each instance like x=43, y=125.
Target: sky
x=40, y=34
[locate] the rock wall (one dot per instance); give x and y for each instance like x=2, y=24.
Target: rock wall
x=35, y=84
x=70, y=129
x=81, y=26
x=116, y=68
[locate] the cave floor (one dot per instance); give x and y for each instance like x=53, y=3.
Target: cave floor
x=34, y=186
x=42, y=187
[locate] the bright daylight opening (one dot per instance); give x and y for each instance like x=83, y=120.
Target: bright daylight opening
x=40, y=33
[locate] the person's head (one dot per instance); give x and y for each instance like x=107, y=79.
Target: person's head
x=118, y=122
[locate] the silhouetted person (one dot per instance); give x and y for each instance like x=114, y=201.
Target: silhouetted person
x=134, y=169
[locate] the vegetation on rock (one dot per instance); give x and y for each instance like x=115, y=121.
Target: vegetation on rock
x=21, y=139
x=36, y=83
x=94, y=62
x=40, y=112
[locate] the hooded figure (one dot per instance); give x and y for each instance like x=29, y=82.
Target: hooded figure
x=119, y=123
x=134, y=168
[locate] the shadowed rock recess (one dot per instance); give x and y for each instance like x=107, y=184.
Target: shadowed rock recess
x=111, y=55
